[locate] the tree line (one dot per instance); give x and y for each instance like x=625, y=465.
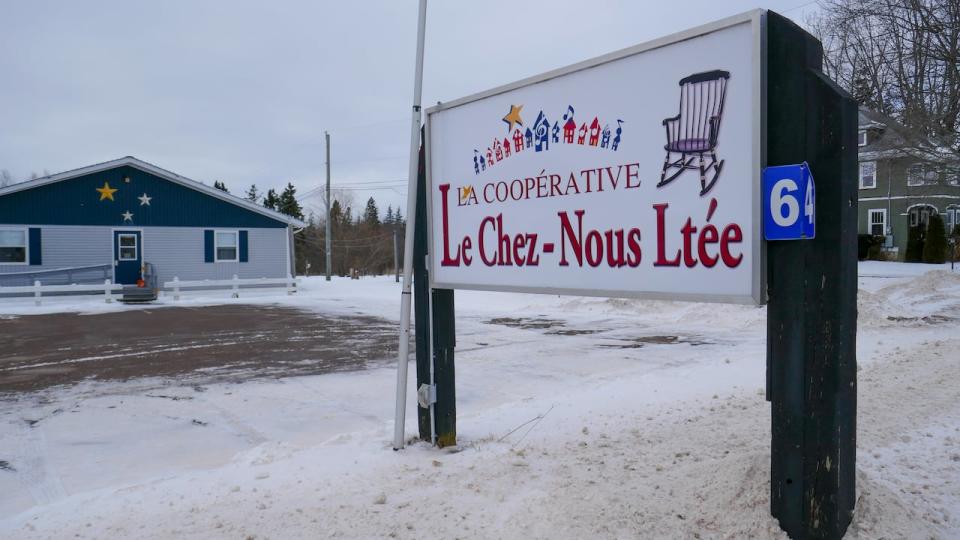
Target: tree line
x=361, y=241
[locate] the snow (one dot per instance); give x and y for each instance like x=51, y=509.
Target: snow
x=599, y=418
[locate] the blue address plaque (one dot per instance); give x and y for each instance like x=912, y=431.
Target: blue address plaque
x=789, y=203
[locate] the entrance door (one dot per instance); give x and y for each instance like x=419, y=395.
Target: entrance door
x=127, y=257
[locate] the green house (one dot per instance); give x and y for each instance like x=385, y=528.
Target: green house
x=904, y=178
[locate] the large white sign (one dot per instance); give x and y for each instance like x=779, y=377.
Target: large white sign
x=634, y=174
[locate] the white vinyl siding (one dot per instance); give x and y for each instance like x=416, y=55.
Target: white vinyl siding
x=173, y=251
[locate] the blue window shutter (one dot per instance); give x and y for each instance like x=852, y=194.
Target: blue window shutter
x=208, y=246
x=36, y=253
x=244, y=248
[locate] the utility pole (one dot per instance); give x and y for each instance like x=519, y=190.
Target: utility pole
x=396, y=250
x=328, y=246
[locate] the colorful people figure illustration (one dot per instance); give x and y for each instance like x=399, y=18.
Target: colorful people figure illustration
x=616, y=140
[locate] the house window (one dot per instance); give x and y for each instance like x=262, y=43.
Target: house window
x=13, y=246
x=920, y=174
x=862, y=137
x=128, y=247
x=868, y=175
x=226, y=246
x=920, y=215
x=952, y=219
x=878, y=222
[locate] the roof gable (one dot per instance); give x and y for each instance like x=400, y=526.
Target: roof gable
x=94, y=195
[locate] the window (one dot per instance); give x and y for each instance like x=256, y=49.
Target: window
x=868, y=175
x=920, y=215
x=226, y=246
x=862, y=137
x=919, y=174
x=13, y=246
x=877, y=224
x=128, y=247
x=951, y=219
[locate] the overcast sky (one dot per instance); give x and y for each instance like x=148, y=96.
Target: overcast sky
x=242, y=91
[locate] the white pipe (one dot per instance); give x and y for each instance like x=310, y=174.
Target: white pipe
x=405, y=296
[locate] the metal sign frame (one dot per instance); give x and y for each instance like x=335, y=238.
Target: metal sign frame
x=757, y=20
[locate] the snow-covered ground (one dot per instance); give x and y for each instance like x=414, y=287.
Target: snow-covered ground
x=636, y=419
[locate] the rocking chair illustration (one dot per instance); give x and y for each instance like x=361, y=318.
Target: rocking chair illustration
x=694, y=130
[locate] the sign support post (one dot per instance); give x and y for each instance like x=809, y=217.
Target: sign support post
x=812, y=288
x=436, y=324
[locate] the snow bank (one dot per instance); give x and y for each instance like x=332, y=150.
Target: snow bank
x=578, y=417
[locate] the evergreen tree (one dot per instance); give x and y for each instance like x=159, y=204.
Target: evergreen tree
x=389, y=219
x=336, y=214
x=221, y=186
x=935, y=246
x=271, y=200
x=253, y=194
x=397, y=218
x=914, y=245
x=288, y=203
x=371, y=216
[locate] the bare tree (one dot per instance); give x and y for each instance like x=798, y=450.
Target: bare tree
x=898, y=57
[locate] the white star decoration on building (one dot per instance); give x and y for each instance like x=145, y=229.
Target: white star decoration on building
x=127, y=216
x=144, y=200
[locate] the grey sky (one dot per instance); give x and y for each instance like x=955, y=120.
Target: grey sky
x=242, y=91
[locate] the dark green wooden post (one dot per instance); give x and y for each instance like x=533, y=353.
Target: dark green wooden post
x=441, y=329
x=812, y=288
x=444, y=341
x=421, y=295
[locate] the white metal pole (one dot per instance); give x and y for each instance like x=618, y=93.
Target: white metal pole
x=405, y=296
x=328, y=248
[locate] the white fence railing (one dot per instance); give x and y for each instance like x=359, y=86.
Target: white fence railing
x=234, y=284
x=37, y=289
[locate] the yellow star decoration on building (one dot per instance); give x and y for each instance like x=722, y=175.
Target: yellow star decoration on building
x=513, y=117
x=106, y=192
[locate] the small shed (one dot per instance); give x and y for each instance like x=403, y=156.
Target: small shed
x=112, y=219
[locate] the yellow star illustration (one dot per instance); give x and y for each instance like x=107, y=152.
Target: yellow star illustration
x=513, y=117
x=106, y=192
